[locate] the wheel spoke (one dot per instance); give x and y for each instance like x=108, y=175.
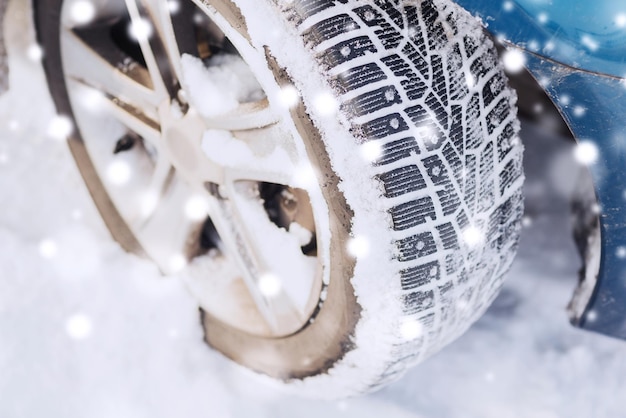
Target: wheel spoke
x=90, y=66
x=162, y=178
x=263, y=281
x=152, y=25
x=135, y=120
x=142, y=29
x=262, y=155
x=170, y=234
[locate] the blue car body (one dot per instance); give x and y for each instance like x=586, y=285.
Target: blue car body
x=576, y=49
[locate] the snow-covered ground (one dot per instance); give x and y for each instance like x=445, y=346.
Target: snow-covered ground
x=87, y=330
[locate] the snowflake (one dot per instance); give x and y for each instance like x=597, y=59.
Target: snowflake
x=196, y=208
x=140, y=29
x=359, y=246
x=326, y=104
x=48, y=248
x=34, y=52
x=579, y=111
x=60, y=127
x=78, y=326
x=288, y=96
x=173, y=6
x=270, y=285
x=514, y=61
x=586, y=152
x=119, y=172
x=177, y=263
x=82, y=12
x=411, y=329
x=473, y=236
x=590, y=43
x=371, y=151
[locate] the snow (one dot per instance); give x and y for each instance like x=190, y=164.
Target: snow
x=285, y=266
x=222, y=79
x=141, y=29
x=270, y=285
x=82, y=11
x=586, y=152
x=78, y=326
x=143, y=354
x=197, y=208
x=35, y=52
x=119, y=172
x=514, y=61
x=60, y=127
x=289, y=96
x=473, y=236
x=359, y=247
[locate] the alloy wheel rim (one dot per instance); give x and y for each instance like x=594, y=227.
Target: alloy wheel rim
x=175, y=170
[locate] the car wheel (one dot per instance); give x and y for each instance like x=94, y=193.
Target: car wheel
x=338, y=182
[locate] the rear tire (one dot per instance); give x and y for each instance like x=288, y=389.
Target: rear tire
x=405, y=115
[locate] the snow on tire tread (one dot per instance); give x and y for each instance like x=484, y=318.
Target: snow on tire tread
x=420, y=79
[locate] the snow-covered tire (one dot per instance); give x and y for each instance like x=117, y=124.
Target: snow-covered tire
x=406, y=115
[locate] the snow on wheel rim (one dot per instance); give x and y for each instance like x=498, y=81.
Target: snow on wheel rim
x=196, y=161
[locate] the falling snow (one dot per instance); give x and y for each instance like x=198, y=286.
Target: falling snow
x=325, y=104
x=34, y=52
x=197, y=208
x=177, y=263
x=119, y=173
x=579, y=111
x=270, y=285
x=521, y=360
x=60, y=127
x=411, y=329
x=289, y=96
x=359, y=247
x=82, y=11
x=371, y=151
x=78, y=327
x=473, y=236
x=140, y=29
x=48, y=248
x=514, y=61
x=589, y=42
x=586, y=152
x=173, y=6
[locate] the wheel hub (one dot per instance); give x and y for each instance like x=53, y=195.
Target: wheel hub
x=181, y=137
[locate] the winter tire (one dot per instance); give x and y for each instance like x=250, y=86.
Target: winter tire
x=338, y=181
